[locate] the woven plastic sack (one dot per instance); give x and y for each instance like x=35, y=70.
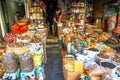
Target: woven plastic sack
x=10, y=62
x=26, y=62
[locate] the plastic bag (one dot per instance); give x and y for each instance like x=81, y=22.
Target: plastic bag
x=97, y=71
x=107, y=74
x=93, y=69
x=10, y=62
x=37, y=57
x=26, y=62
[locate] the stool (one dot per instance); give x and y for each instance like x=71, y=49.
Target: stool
x=15, y=75
x=30, y=74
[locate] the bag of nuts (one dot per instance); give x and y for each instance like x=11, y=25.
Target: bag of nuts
x=26, y=62
x=10, y=62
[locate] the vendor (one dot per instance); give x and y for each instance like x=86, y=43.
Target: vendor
x=56, y=19
x=17, y=16
x=51, y=5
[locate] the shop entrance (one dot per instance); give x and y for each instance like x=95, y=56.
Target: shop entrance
x=9, y=8
x=4, y=15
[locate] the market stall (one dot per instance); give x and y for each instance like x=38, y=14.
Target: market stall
x=89, y=52
x=29, y=46
x=93, y=53
x=24, y=54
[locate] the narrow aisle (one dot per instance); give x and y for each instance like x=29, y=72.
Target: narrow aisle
x=53, y=68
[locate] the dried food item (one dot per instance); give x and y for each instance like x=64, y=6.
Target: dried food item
x=17, y=45
x=26, y=62
x=9, y=37
x=36, y=39
x=109, y=51
x=118, y=68
x=115, y=59
x=104, y=36
x=23, y=37
x=93, y=49
x=117, y=30
x=92, y=44
x=94, y=35
x=108, y=64
x=117, y=55
x=18, y=48
x=102, y=55
x=92, y=52
x=10, y=62
x=111, y=41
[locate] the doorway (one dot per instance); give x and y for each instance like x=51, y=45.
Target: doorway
x=9, y=8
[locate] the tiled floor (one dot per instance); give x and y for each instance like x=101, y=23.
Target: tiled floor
x=53, y=68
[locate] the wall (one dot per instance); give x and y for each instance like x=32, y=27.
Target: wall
x=98, y=8
x=12, y=7
x=2, y=25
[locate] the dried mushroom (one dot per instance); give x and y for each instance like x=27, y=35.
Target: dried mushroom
x=17, y=45
x=23, y=37
x=93, y=49
x=35, y=39
x=116, y=59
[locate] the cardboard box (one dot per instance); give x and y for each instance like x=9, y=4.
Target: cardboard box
x=70, y=75
x=63, y=53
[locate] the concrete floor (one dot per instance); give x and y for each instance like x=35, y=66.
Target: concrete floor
x=53, y=68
